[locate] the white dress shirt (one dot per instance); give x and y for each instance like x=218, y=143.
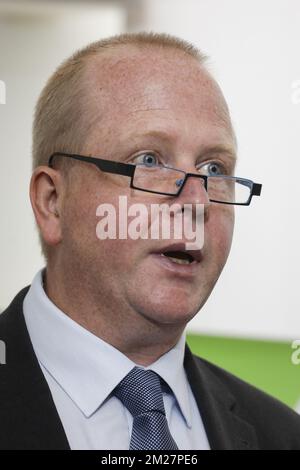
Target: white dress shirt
x=82, y=370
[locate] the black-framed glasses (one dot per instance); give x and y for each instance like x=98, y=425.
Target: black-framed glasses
x=160, y=179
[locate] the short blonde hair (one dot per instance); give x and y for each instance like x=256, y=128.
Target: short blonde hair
x=58, y=119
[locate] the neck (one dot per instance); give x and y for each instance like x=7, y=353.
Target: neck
x=140, y=339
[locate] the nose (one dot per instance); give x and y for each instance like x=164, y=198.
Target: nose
x=194, y=191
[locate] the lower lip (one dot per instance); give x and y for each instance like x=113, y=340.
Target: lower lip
x=179, y=269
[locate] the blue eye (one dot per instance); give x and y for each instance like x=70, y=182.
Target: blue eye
x=213, y=169
x=147, y=159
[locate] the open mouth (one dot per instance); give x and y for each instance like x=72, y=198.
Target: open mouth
x=179, y=257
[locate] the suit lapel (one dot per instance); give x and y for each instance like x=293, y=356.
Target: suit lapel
x=29, y=417
x=224, y=428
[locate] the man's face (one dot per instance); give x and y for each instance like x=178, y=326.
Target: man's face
x=164, y=103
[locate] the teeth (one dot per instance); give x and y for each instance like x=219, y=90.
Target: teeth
x=177, y=260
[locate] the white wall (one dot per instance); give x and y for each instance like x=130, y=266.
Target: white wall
x=254, y=46
x=33, y=41
x=254, y=50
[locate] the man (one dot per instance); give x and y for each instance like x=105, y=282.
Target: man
x=96, y=353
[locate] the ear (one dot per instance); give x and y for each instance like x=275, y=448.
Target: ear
x=46, y=200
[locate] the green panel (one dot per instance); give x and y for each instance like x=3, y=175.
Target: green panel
x=265, y=364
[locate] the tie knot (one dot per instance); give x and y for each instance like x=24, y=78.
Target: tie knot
x=140, y=391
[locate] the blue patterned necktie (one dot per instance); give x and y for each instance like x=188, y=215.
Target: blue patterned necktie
x=140, y=392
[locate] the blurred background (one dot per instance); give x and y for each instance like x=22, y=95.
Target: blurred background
x=248, y=324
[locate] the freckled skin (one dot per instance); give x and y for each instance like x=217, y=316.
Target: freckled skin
x=113, y=287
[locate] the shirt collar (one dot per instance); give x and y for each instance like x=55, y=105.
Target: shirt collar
x=81, y=362
x=170, y=367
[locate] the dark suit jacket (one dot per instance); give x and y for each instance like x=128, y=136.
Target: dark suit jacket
x=235, y=414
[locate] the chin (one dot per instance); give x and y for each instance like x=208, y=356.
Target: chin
x=170, y=313
x=166, y=304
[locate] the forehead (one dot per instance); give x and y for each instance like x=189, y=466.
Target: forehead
x=132, y=88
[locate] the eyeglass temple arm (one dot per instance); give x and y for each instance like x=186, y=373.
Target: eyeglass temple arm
x=255, y=187
x=125, y=169
x=108, y=166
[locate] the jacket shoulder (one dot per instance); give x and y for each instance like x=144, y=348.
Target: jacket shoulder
x=277, y=425
x=8, y=316
x=28, y=416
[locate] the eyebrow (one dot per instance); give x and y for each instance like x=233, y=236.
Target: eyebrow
x=229, y=150
x=221, y=148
